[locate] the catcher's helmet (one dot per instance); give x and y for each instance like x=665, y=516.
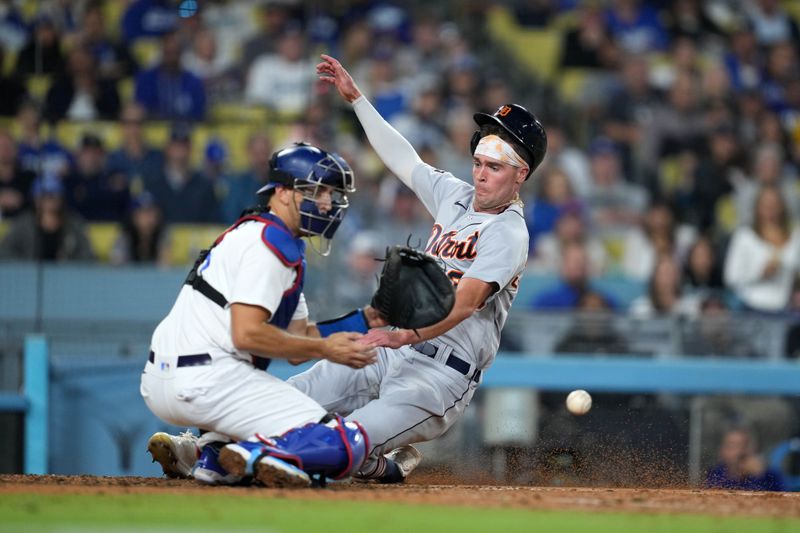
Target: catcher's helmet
x=306, y=168
x=522, y=125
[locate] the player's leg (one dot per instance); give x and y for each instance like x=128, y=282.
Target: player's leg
x=419, y=401
x=341, y=389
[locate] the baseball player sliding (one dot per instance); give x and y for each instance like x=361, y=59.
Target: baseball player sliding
x=241, y=305
x=424, y=379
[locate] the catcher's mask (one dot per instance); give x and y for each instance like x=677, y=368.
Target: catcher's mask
x=522, y=125
x=308, y=169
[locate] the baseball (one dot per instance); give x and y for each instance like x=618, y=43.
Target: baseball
x=579, y=402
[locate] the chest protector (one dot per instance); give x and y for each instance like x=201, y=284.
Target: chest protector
x=289, y=249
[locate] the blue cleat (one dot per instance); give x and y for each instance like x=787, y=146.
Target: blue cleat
x=208, y=469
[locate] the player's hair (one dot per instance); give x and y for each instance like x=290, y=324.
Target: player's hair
x=494, y=129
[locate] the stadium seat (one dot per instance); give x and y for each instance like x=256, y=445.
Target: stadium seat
x=538, y=50
x=102, y=236
x=188, y=239
x=725, y=213
x=4, y=227
x=9, y=62
x=233, y=113
x=146, y=51
x=113, y=12
x=69, y=133
x=126, y=88
x=572, y=82
x=38, y=85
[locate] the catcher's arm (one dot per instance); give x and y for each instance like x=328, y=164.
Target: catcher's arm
x=302, y=328
x=251, y=333
x=470, y=296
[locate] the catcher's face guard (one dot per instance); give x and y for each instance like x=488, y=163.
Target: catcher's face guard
x=521, y=125
x=324, y=179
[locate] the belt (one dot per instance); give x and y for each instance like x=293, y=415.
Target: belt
x=453, y=361
x=200, y=359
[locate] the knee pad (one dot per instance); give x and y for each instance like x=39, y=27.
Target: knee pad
x=335, y=450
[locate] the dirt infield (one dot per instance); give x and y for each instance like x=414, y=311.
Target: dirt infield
x=670, y=501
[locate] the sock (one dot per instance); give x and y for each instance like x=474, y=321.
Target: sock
x=392, y=473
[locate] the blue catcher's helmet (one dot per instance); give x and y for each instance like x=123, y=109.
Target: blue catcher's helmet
x=308, y=170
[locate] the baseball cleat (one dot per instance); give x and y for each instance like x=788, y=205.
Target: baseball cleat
x=208, y=470
x=274, y=472
x=238, y=458
x=407, y=458
x=175, y=454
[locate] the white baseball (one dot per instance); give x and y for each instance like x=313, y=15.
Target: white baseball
x=579, y=402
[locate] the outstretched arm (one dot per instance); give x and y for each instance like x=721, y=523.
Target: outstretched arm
x=394, y=150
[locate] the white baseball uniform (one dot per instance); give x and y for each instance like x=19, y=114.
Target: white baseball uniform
x=415, y=394
x=227, y=395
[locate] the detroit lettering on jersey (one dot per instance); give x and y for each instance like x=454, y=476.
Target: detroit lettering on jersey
x=445, y=244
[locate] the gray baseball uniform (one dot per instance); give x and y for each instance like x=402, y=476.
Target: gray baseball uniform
x=414, y=394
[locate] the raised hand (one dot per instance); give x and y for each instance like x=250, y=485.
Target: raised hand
x=347, y=348
x=331, y=71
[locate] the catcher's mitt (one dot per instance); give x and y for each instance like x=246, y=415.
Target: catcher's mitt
x=413, y=291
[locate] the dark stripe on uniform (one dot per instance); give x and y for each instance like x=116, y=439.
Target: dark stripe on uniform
x=422, y=421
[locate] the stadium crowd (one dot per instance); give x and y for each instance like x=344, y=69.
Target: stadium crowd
x=675, y=166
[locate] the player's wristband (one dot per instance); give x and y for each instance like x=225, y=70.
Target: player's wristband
x=352, y=321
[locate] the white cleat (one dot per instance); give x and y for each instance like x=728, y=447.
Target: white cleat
x=176, y=454
x=273, y=472
x=407, y=458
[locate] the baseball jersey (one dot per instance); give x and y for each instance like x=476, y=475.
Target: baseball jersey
x=245, y=270
x=490, y=247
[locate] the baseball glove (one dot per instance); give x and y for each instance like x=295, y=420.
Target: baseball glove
x=413, y=291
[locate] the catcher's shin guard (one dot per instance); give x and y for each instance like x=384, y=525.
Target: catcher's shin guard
x=333, y=450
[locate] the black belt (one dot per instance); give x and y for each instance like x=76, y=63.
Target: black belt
x=453, y=361
x=200, y=359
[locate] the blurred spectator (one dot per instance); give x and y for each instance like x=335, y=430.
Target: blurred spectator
x=169, y=91
x=743, y=59
x=572, y=160
x=703, y=269
x=91, y=190
x=781, y=73
x=614, y=205
x=386, y=91
x=664, y=294
x=183, y=194
x=676, y=124
x=589, y=45
x=683, y=58
x=148, y=18
x=15, y=182
x=767, y=170
x=423, y=124
x=763, y=259
x=274, y=17
x=771, y=23
x=740, y=467
x=402, y=217
x=570, y=228
x=37, y=154
x=50, y=232
x=554, y=196
x=593, y=329
x=283, y=80
x=360, y=274
x=535, y=13
x=454, y=154
x=636, y=27
x=12, y=90
x=239, y=190
x=573, y=283
x=42, y=53
x=143, y=238
x=13, y=30
x=687, y=18
x=80, y=93
x=232, y=24
x=462, y=82
x=714, y=175
x=716, y=332
x=629, y=112
x=113, y=60
x=206, y=61
x=135, y=158
x=658, y=236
